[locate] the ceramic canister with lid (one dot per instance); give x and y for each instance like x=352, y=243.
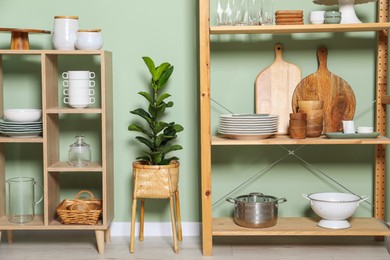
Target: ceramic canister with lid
x=89, y=39
x=65, y=32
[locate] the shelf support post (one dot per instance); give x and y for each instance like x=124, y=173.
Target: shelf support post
x=205, y=147
x=380, y=117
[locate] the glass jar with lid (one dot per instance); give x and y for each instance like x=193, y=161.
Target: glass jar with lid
x=79, y=152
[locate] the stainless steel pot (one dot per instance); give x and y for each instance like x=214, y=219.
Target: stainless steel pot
x=256, y=210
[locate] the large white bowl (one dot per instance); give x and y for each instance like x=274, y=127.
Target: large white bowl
x=22, y=115
x=334, y=207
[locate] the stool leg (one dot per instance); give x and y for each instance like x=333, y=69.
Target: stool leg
x=175, y=247
x=133, y=215
x=142, y=220
x=178, y=217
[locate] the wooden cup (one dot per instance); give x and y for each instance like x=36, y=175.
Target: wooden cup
x=297, y=132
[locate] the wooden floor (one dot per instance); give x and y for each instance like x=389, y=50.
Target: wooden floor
x=72, y=245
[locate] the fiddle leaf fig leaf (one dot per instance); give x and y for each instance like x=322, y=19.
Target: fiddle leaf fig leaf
x=150, y=64
x=164, y=77
x=159, y=70
x=146, y=95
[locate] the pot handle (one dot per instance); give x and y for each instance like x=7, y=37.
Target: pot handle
x=281, y=200
x=363, y=198
x=231, y=200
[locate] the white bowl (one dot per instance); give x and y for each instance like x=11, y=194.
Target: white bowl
x=334, y=206
x=22, y=115
x=365, y=129
x=317, y=21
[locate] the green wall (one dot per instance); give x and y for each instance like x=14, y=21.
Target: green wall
x=168, y=31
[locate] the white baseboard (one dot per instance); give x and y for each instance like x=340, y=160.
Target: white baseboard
x=154, y=229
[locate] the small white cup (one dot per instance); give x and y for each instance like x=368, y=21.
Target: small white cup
x=365, y=129
x=78, y=74
x=78, y=92
x=79, y=83
x=79, y=102
x=348, y=127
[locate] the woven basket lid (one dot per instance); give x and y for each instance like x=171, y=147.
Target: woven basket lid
x=336, y=2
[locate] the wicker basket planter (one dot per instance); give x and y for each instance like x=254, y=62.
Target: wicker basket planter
x=155, y=181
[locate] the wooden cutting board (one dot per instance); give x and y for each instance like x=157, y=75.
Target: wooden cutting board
x=337, y=94
x=274, y=87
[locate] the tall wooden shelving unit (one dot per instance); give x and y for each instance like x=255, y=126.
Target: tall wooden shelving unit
x=53, y=167
x=292, y=226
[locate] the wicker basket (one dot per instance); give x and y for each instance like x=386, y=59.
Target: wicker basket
x=80, y=211
x=155, y=181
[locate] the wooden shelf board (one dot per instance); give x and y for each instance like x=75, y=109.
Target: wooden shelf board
x=286, y=140
x=65, y=167
x=54, y=52
x=60, y=110
x=4, y=139
x=305, y=28
x=37, y=224
x=301, y=227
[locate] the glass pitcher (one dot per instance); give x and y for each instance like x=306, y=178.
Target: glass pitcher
x=21, y=199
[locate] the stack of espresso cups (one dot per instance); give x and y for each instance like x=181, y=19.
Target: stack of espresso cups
x=315, y=116
x=297, y=125
x=78, y=88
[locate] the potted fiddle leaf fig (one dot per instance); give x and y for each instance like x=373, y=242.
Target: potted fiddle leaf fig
x=157, y=136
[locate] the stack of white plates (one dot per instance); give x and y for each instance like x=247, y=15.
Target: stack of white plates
x=20, y=129
x=248, y=126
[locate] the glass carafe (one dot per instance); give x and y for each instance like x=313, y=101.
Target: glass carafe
x=79, y=152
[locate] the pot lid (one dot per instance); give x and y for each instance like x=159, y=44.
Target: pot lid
x=256, y=197
x=66, y=17
x=90, y=30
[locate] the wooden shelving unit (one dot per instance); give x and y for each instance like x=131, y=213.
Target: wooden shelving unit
x=292, y=226
x=53, y=167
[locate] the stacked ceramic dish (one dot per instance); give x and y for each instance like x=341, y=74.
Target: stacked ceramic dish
x=248, y=126
x=21, y=123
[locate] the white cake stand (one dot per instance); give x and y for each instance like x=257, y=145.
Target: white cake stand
x=346, y=7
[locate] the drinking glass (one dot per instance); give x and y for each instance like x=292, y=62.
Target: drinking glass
x=240, y=12
x=267, y=12
x=254, y=7
x=224, y=12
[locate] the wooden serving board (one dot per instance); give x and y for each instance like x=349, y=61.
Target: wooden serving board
x=337, y=94
x=274, y=87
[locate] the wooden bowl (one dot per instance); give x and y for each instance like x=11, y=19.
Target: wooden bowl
x=315, y=120
x=313, y=133
x=314, y=128
x=307, y=105
x=313, y=112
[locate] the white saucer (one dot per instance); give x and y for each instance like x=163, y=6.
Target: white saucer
x=334, y=224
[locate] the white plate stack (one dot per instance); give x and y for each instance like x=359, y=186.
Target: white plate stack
x=20, y=129
x=248, y=126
